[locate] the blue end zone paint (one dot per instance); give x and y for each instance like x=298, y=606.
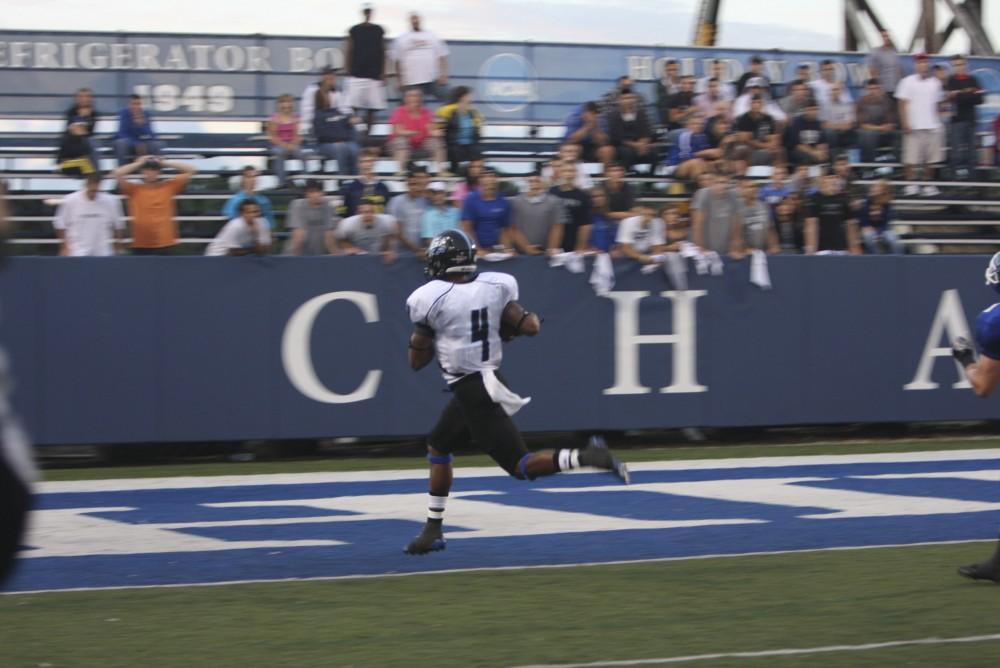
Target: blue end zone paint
x=374, y=546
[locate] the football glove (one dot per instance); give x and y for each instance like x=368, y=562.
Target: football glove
x=963, y=351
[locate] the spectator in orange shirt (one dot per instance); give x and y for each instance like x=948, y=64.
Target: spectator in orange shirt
x=151, y=203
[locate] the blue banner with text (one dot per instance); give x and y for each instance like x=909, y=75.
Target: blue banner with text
x=114, y=350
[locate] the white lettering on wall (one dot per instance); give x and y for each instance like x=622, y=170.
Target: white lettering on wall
x=683, y=339
x=296, y=349
x=948, y=319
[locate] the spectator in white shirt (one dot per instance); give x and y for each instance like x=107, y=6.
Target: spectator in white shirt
x=918, y=96
x=88, y=220
x=717, y=71
x=758, y=86
x=249, y=234
x=642, y=236
x=369, y=232
x=421, y=60
x=307, y=106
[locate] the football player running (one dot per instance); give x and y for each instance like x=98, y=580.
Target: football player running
x=461, y=317
x=983, y=372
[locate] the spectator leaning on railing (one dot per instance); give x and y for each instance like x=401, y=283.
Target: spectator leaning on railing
x=715, y=221
x=486, y=214
x=789, y=223
x=369, y=233
x=421, y=60
x=152, y=203
x=414, y=133
x=88, y=221
x=248, y=190
x=364, y=57
x=831, y=226
x=247, y=234
x=965, y=94
x=408, y=209
x=77, y=152
x=618, y=192
x=440, y=216
x=461, y=125
x=875, y=219
x=603, y=228
x=576, y=201
x=283, y=136
x=312, y=222
x=536, y=218
x=643, y=235
x=758, y=232
x=135, y=136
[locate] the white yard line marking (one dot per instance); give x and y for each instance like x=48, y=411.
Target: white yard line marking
x=774, y=652
x=249, y=479
x=626, y=562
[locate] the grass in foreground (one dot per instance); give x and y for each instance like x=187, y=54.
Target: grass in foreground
x=394, y=463
x=512, y=618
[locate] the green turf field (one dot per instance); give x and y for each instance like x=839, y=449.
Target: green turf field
x=535, y=616
x=513, y=618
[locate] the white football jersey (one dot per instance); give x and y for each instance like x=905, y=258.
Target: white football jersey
x=465, y=318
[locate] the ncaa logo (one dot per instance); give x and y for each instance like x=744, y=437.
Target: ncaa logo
x=508, y=82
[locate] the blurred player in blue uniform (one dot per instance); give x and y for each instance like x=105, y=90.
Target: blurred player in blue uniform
x=983, y=371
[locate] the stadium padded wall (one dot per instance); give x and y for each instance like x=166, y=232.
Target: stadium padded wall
x=196, y=349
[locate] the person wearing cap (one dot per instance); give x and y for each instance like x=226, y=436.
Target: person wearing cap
x=364, y=60
x=152, y=203
x=408, y=209
x=88, y=220
x=135, y=135
x=918, y=96
x=369, y=232
x=421, y=59
x=756, y=71
x=440, y=215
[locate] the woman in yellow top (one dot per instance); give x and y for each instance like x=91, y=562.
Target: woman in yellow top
x=461, y=124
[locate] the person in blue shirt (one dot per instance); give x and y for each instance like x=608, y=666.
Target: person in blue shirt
x=603, y=229
x=440, y=216
x=248, y=183
x=875, y=219
x=776, y=190
x=983, y=372
x=585, y=128
x=688, y=156
x=135, y=134
x=486, y=215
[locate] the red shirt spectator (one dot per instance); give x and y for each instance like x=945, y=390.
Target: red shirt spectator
x=419, y=123
x=414, y=132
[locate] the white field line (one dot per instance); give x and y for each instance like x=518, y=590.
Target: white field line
x=375, y=576
x=773, y=652
x=193, y=482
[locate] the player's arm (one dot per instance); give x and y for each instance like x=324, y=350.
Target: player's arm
x=421, y=346
x=516, y=321
x=983, y=373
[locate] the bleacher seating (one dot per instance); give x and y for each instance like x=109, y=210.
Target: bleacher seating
x=965, y=217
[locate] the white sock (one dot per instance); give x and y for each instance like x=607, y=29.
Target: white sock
x=435, y=507
x=568, y=459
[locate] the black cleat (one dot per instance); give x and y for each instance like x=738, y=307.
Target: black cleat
x=602, y=458
x=986, y=570
x=430, y=540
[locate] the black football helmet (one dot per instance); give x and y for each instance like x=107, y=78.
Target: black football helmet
x=450, y=252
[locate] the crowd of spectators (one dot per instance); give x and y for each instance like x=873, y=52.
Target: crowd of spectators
x=710, y=133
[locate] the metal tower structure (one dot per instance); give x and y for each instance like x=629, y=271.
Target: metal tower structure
x=860, y=16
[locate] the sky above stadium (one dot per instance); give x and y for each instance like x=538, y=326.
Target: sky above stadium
x=785, y=24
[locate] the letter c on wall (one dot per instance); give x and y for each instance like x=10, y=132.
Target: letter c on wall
x=296, y=349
